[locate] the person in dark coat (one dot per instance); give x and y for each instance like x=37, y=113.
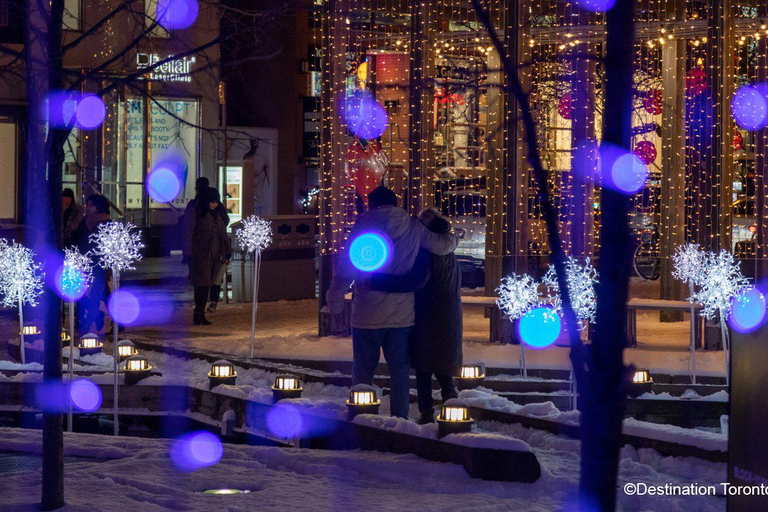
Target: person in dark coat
x=436, y=340
x=206, y=245
x=89, y=311
x=72, y=217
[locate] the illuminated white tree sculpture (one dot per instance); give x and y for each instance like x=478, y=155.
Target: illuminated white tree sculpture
x=689, y=264
x=518, y=294
x=254, y=237
x=582, y=278
x=20, y=282
x=117, y=247
x=721, y=281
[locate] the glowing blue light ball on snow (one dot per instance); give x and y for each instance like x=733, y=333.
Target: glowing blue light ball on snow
x=596, y=5
x=369, y=252
x=749, y=108
x=284, y=421
x=85, y=395
x=195, y=451
x=365, y=117
x=540, y=327
x=176, y=14
x=748, y=310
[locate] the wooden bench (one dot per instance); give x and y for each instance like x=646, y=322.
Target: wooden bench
x=634, y=305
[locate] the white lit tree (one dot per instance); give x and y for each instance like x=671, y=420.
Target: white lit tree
x=117, y=247
x=689, y=265
x=517, y=295
x=582, y=278
x=20, y=282
x=254, y=237
x=720, y=282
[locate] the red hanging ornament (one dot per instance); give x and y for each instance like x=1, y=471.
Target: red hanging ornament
x=366, y=166
x=738, y=140
x=646, y=150
x=654, y=102
x=565, y=106
x=695, y=82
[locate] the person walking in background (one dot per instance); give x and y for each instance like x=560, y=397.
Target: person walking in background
x=205, y=246
x=72, y=217
x=436, y=339
x=90, y=313
x=381, y=320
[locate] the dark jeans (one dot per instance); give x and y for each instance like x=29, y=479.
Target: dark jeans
x=215, y=292
x=367, y=345
x=424, y=387
x=201, y=298
x=88, y=310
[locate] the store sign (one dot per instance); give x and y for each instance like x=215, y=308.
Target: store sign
x=453, y=73
x=175, y=70
x=170, y=121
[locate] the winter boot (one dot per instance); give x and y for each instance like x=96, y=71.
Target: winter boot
x=212, y=307
x=426, y=418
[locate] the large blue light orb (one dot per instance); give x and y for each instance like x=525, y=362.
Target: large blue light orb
x=369, y=252
x=596, y=5
x=749, y=108
x=364, y=116
x=85, y=395
x=195, y=451
x=176, y=14
x=123, y=307
x=629, y=173
x=284, y=421
x=748, y=310
x=91, y=112
x=540, y=327
x=71, y=283
x=163, y=185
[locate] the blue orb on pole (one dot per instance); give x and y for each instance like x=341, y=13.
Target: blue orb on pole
x=71, y=283
x=364, y=116
x=540, y=327
x=748, y=310
x=369, y=252
x=749, y=108
x=176, y=14
x=90, y=112
x=596, y=5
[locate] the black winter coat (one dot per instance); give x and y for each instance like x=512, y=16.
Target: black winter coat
x=436, y=339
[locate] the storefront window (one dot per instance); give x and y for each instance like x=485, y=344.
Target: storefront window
x=8, y=171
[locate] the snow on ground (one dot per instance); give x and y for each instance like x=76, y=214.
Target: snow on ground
x=138, y=475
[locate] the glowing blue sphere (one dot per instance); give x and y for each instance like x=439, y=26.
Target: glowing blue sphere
x=123, y=307
x=596, y=5
x=85, y=395
x=369, y=252
x=540, y=327
x=195, y=451
x=748, y=310
x=284, y=421
x=628, y=174
x=90, y=112
x=163, y=185
x=176, y=14
x=365, y=117
x=749, y=108
x=71, y=283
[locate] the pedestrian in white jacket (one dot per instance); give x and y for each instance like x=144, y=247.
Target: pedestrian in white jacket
x=381, y=320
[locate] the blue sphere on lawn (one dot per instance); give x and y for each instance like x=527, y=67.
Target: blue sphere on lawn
x=540, y=327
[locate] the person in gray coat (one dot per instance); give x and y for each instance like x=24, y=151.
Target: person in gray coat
x=436, y=338
x=206, y=245
x=382, y=321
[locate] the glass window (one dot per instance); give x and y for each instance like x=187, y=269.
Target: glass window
x=150, y=9
x=8, y=170
x=73, y=15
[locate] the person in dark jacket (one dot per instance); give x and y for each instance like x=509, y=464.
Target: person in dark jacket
x=72, y=217
x=435, y=341
x=90, y=314
x=206, y=245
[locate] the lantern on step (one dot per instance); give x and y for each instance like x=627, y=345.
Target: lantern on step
x=89, y=345
x=453, y=418
x=30, y=329
x=286, y=386
x=65, y=337
x=222, y=372
x=136, y=368
x=471, y=376
x=641, y=383
x=363, y=399
x=126, y=349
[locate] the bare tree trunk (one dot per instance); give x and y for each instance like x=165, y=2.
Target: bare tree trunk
x=42, y=216
x=604, y=397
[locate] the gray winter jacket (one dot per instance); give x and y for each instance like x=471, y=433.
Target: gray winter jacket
x=374, y=309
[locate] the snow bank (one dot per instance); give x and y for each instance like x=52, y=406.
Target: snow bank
x=670, y=433
x=488, y=441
